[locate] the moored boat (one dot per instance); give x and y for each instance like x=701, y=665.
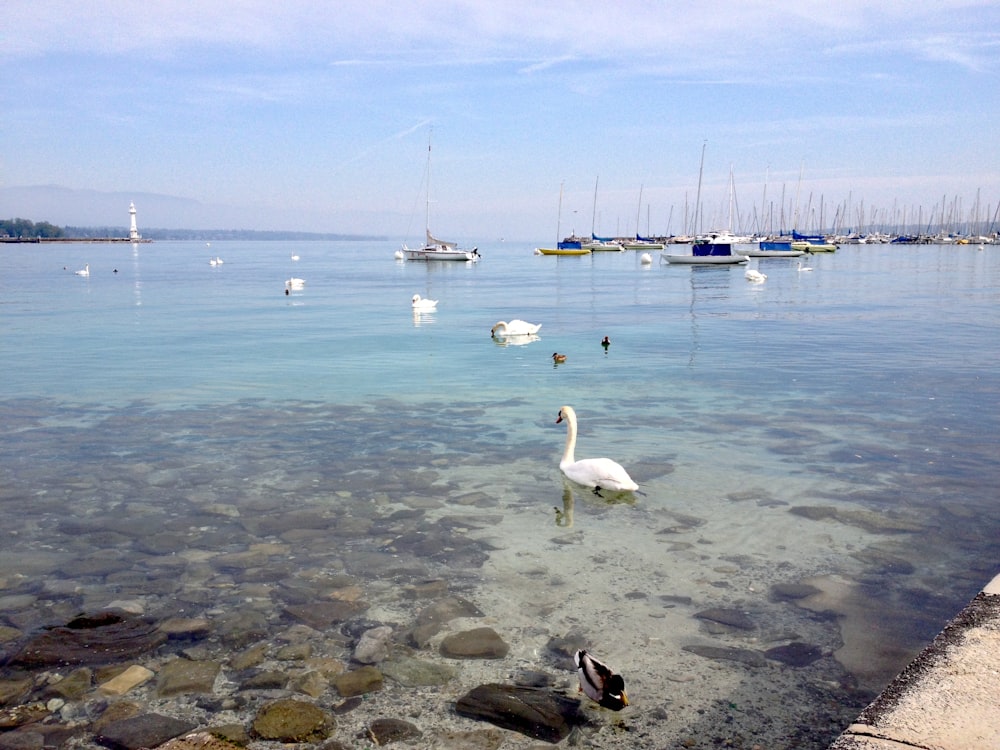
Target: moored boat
x=708, y=253
x=435, y=249
x=772, y=249
x=562, y=250
x=812, y=243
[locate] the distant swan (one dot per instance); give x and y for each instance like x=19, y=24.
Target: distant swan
x=599, y=473
x=802, y=267
x=645, y=259
x=85, y=271
x=216, y=261
x=295, y=257
x=752, y=274
x=419, y=303
x=294, y=284
x=398, y=255
x=514, y=328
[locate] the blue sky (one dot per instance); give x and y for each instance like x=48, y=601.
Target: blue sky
x=316, y=115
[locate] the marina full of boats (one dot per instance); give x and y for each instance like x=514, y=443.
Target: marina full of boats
x=724, y=247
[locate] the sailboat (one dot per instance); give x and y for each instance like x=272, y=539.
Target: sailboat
x=435, y=249
x=562, y=248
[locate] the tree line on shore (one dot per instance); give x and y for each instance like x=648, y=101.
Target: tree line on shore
x=26, y=229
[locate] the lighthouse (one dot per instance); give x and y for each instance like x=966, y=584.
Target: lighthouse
x=133, y=232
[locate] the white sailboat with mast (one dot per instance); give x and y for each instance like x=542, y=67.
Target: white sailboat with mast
x=434, y=248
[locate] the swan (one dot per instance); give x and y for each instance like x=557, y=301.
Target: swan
x=599, y=473
x=802, y=267
x=85, y=271
x=419, y=303
x=514, y=328
x=295, y=284
x=645, y=259
x=752, y=274
x=398, y=255
x=295, y=257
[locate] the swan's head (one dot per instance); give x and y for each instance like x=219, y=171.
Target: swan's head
x=416, y=298
x=567, y=413
x=501, y=326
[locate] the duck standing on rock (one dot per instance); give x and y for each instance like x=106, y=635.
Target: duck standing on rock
x=599, y=682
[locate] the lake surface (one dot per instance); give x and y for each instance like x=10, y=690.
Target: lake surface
x=837, y=428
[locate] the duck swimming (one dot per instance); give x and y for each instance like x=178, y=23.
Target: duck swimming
x=599, y=682
x=599, y=473
x=558, y=358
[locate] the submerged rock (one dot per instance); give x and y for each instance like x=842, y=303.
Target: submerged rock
x=478, y=643
x=795, y=654
x=145, y=730
x=722, y=653
x=97, y=638
x=535, y=712
x=293, y=721
x=385, y=731
x=731, y=617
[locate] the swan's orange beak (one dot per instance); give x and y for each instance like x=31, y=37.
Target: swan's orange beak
x=559, y=418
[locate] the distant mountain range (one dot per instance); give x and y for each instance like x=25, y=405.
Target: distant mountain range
x=92, y=212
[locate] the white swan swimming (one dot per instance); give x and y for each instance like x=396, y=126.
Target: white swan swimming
x=599, y=473
x=216, y=261
x=645, y=259
x=802, y=267
x=419, y=303
x=514, y=328
x=295, y=284
x=398, y=255
x=85, y=271
x=295, y=257
x=752, y=274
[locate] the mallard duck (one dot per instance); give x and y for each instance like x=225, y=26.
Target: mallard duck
x=599, y=682
x=558, y=358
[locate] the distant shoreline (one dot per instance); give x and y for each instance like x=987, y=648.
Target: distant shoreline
x=40, y=240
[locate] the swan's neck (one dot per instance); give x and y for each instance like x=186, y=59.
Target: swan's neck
x=570, y=441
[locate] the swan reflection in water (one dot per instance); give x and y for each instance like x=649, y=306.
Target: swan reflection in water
x=565, y=516
x=515, y=340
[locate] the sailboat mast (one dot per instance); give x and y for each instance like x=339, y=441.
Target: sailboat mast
x=697, y=200
x=559, y=219
x=638, y=212
x=593, y=212
x=427, y=208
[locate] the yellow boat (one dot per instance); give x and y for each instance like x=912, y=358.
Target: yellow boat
x=562, y=250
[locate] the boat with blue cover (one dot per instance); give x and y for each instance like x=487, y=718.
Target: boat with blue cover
x=708, y=253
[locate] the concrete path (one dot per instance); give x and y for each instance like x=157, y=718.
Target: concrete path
x=948, y=697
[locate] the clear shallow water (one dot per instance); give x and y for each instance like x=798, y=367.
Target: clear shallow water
x=835, y=425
